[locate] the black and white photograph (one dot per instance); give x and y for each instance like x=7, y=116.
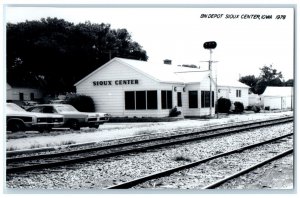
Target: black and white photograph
x=149, y=98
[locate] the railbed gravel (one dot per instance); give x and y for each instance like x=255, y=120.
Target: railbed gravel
x=100, y=174
x=278, y=174
x=214, y=170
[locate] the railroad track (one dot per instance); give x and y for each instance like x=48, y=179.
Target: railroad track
x=27, y=163
x=182, y=170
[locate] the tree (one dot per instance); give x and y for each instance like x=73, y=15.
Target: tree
x=268, y=77
x=63, y=53
x=249, y=80
x=260, y=87
x=269, y=74
x=289, y=83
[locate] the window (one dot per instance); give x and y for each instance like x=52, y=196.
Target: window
x=129, y=100
x=21, y=96
x=166, y=99
x=151, y=99
x=205, y=99
x=193, y=99
x=36, y=109
x=169, y=99
x=139, y=100
x=238, y=93
x=163, y=99
x=179, y=100
x=48, y=110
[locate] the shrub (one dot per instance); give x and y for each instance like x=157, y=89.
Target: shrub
x=249, y=108
x=174, y=112
x=81, y=102
x=238, y=107
x=256, y=109
x=223, y=105
x=182, y=158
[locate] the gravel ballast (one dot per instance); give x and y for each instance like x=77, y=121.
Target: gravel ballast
x=103, y=173
x=275, y=175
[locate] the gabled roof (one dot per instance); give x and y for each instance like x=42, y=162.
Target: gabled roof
x=158, y=72
x=166, y=73
x=222, y=82
x=192, y=76
x=278, y=91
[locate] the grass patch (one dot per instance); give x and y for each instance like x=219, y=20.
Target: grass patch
x=33, y=146
x=182, y=158
x=231, y=120
x=144, y=119
x=67, y=142
x=12, y=148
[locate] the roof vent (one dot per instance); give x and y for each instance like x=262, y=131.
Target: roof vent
x=168, y=62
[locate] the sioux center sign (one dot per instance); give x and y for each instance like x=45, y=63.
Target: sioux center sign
x=116, y=82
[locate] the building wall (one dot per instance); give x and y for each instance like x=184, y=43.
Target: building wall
x=254, y=99
x=203, y=86
x=230, y=93
x=111, y=98
x=277, y=102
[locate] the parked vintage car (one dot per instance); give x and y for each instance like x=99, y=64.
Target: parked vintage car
x=17, y=119
x=74, y=119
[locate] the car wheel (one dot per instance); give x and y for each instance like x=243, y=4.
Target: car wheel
x=16, y=126
x=74, y=124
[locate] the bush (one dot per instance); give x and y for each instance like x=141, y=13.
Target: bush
x=238, y=107
x=249, y=108
x=174, y=112
x=223, y=105
x=256, y=109
x=81, y=102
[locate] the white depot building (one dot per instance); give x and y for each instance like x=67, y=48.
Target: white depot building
x=125, y=87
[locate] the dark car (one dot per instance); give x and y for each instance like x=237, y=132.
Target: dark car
x=17, y=119
x=74, y=119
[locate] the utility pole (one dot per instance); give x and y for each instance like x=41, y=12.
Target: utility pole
x=210, y=45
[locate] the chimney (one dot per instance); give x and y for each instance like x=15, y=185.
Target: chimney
x=168, y=62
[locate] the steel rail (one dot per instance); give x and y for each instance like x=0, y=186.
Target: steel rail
x=106, y=155
x=218, y=127
x=132, y=183
x=247, y=170
x=98, y=148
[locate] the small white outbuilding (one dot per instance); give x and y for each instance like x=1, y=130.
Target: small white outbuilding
x=233, y=90
x=14, y=93
x=278, y=98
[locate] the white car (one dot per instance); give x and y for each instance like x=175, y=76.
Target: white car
x=74, y=119
x=17, y=119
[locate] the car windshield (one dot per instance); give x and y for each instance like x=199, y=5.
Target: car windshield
x=14, y=107
x=66, y=108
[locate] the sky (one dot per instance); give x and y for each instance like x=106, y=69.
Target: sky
x=243, y=44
